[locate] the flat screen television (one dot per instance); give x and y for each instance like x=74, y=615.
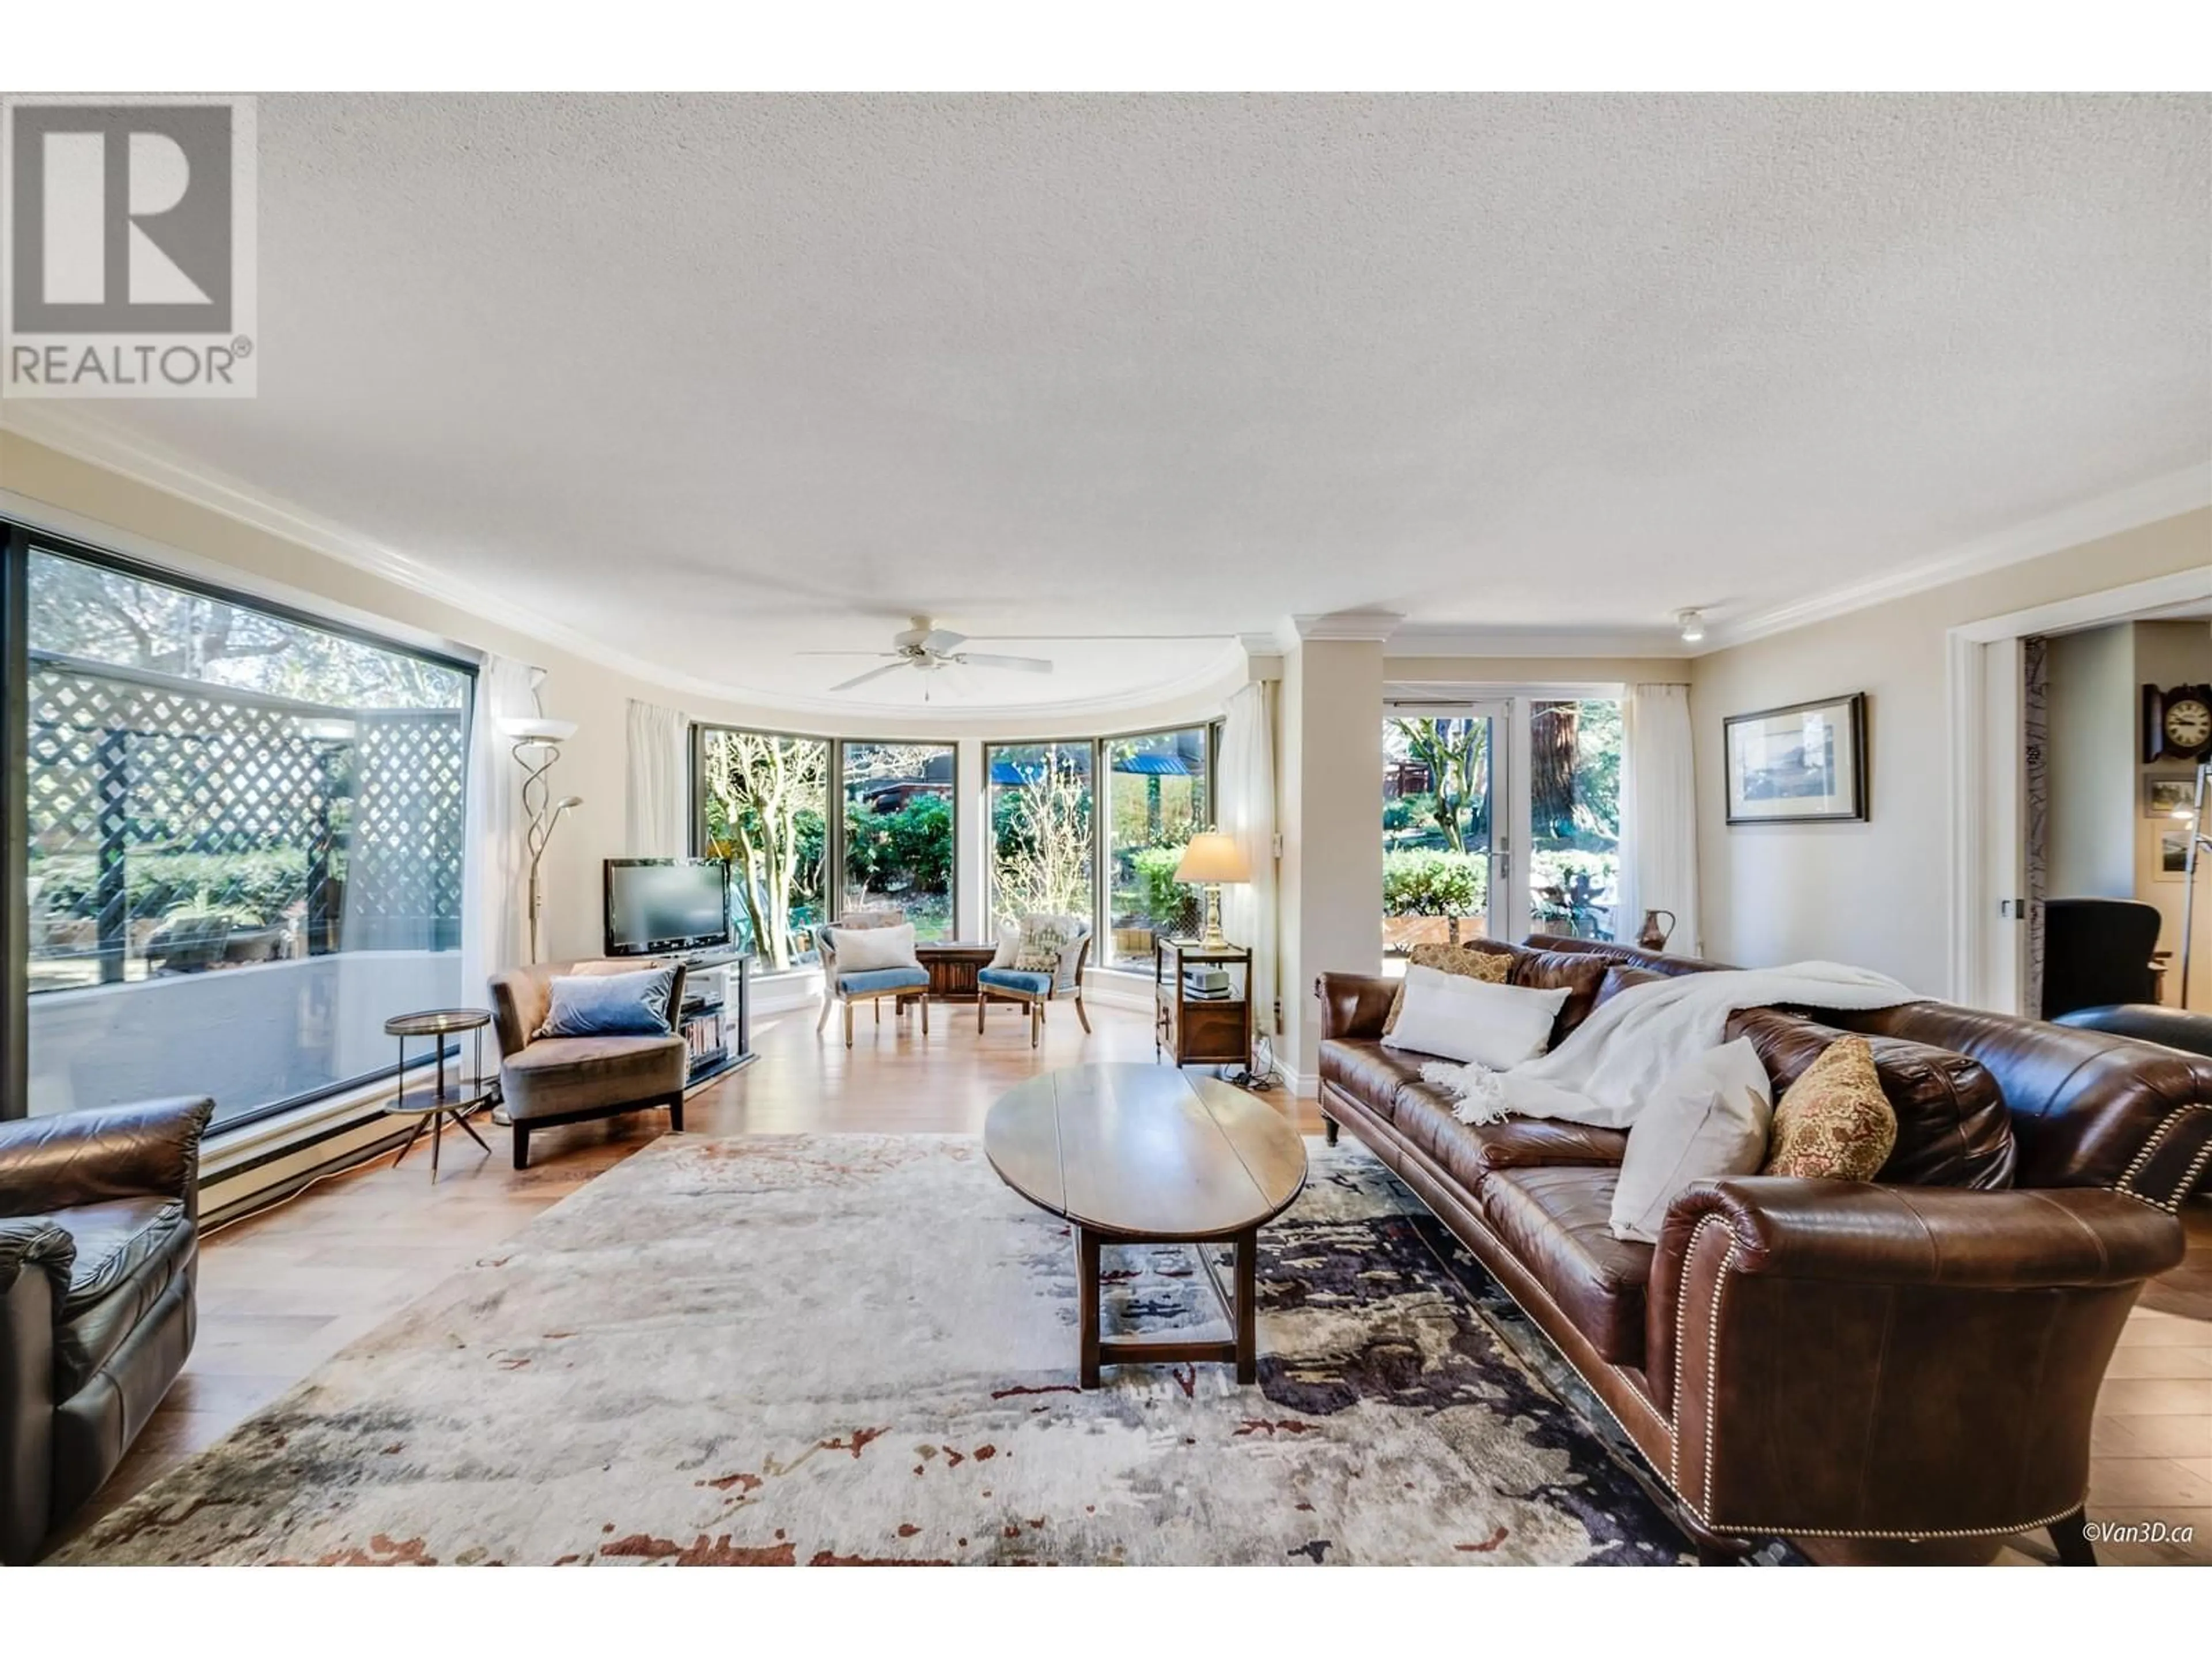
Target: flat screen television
x=655, y=905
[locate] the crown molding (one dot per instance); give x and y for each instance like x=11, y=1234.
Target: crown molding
x=1216, y=678
x=2166, y=497
x=73, y=434
x=69, y=432
x=1448, y=640
x=1374, y=625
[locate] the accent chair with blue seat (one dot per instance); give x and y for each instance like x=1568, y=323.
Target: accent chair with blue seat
x=1034, y=989
x=871, y=984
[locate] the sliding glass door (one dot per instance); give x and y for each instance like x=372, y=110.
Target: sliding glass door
x=1447, y=857
x=1465, y=787
x=1574, y=816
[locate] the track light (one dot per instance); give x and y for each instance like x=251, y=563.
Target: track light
x=1693, y=625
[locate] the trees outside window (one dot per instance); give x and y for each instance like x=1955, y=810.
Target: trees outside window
x=1158, y=795
x=898, y=832
x=1436, y=811
x=765, y=802
x=1040, y=800
x=1574, y=815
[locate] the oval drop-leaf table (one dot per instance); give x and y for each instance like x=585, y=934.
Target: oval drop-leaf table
x=1143, y=1154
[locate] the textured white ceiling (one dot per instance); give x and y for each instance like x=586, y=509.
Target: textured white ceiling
x=716, y=379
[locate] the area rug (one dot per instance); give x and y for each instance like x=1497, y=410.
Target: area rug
x=855, y=1349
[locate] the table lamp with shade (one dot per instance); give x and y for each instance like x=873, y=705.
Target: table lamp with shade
x=1210, y=859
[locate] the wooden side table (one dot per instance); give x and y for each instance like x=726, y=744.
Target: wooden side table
x=1200, y=1030
x=952, y=966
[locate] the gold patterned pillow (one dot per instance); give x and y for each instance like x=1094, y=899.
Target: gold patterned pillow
x=1467, y=961
x=1833, y=1123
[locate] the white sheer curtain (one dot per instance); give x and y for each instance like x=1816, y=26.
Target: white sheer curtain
x=658, y=792
x=495, y=905
x=1244, y=807
x=1658, y=815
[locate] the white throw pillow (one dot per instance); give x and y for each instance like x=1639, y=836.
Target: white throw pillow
x=863, y=949
x=1010, y=946
x=1709, y=1118
x=1455, y=1018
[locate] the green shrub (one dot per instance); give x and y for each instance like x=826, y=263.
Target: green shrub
x=1425, y=882
x=1164, y=899
x=912, y=844
x=253, y=887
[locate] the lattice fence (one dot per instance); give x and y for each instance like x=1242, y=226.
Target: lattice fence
x=195, y=828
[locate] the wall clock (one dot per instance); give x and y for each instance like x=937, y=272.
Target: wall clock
x=2177, y=722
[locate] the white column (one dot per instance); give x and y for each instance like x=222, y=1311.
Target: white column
x=1330, y=788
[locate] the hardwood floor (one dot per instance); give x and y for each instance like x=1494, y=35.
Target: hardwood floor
x=281, y=1292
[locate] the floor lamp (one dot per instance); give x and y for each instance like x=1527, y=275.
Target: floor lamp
x=537, y=742
x=2198, y=840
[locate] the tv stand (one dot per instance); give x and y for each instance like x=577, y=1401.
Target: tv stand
x=711, y=979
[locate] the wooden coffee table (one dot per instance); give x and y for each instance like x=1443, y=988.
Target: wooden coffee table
x=1144, y=1155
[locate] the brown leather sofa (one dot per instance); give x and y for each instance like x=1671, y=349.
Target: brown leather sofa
x=544, y=1081
x=99, y=1255
x=1912, y=1359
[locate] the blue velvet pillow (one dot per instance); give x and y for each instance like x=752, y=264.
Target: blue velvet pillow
x=610, y=1005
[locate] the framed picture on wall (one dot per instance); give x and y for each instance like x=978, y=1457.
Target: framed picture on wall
x=1806, y=763
x=2163, y=797
x=2173, y=854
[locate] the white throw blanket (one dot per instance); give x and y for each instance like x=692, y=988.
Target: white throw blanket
x=1604, y=1070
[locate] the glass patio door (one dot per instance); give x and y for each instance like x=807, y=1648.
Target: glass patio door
x=1447, y=844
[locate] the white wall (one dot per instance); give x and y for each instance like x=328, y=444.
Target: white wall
x=1875, y=893
x=2090, y=764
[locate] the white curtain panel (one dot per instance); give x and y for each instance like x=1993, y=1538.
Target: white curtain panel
x=494, y=870
x=659, y=762
x=1244, y=807
x=1658, y=815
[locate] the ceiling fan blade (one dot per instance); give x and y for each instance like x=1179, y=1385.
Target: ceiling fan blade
x=942, y=641
x=873, y=674
x=987, y=659
x=848, y=653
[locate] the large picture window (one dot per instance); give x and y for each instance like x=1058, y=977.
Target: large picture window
x=899, y=806
x=243, y=841
x=1158, y=797
x=764, y=804
x=1042, y=853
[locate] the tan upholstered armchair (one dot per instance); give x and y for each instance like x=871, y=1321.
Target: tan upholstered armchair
x=549, y=1080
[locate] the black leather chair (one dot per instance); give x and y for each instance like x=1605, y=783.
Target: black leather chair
x=2096, y=951
x=2175, y=1028
x=99, y=1255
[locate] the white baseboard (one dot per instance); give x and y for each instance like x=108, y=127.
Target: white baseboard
x=1113, y=990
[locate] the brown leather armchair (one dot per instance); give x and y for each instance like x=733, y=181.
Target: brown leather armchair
x=1914, y=1358
x=98, y=1256
x=549, y=1080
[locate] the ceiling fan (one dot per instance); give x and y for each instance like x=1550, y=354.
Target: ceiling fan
x=927, y=648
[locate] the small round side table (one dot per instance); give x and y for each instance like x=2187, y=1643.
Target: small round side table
x=432, y=1105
